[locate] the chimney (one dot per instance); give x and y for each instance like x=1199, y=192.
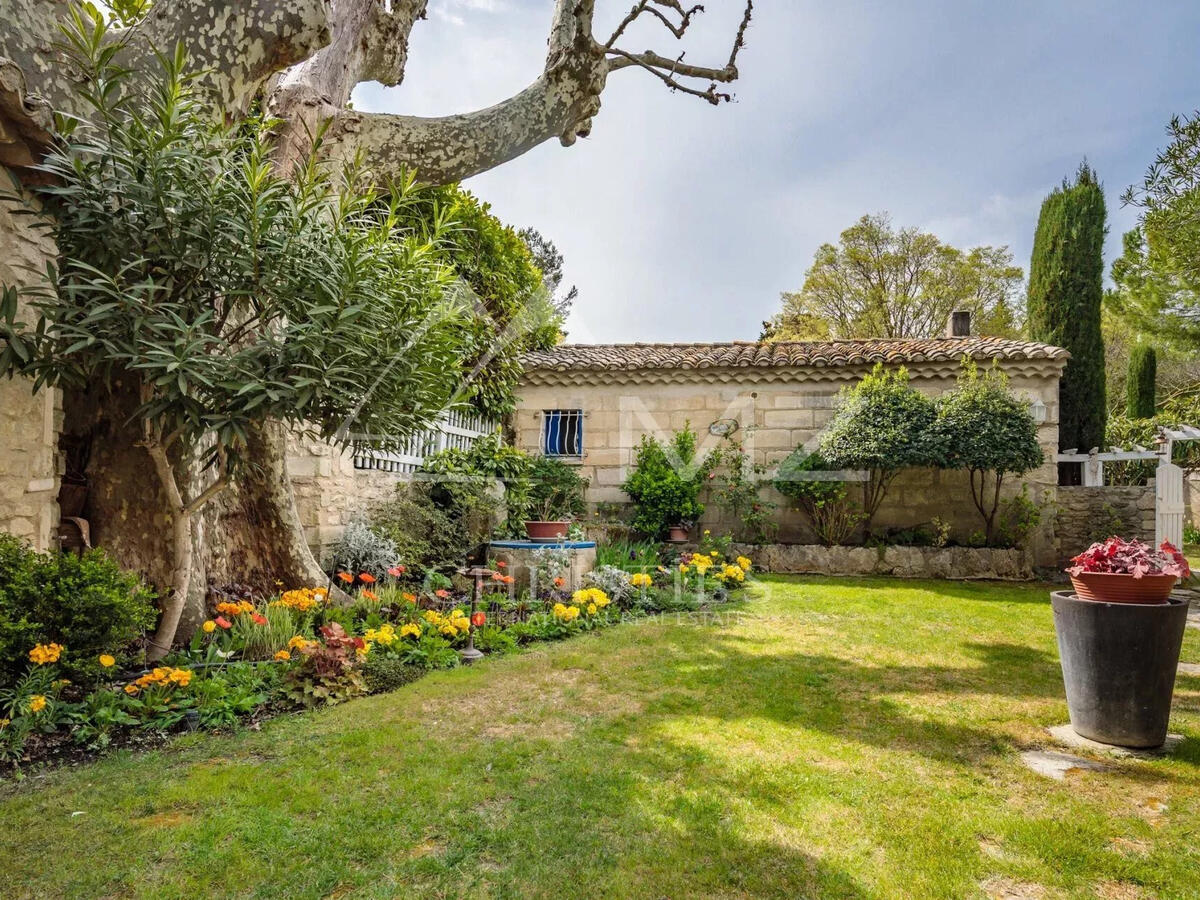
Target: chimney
x=959, y=324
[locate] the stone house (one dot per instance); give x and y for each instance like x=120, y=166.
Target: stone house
x=591, y=404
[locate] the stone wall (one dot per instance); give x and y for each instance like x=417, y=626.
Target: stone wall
x=29, y=422
x=775, y=417
x=1089, y=514
x=330, y=492
x=960, y=563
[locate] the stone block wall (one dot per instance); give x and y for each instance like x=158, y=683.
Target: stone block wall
x=330, y=492
x=29, y=423
x=1089, y=514
x=774, y=418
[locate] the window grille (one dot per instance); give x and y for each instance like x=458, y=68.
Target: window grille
x=562, y=432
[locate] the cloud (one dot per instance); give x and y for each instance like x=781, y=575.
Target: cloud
x=679, y=221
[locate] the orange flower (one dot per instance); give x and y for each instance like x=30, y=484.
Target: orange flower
x=411, y=598
x=258, y=620
x=442, y=592
x=496, y=576
x=366, y=578
x=478, y=618
x=558, y=582
x=370, y=595
x=397, y=571
x=501, y=564
x=223, y=622
x=346, y=577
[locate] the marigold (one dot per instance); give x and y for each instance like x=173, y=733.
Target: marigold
x=37, y=703
x=283, y=655
x=107, y=660
x=298, y=642
x=411, y=598
x=43, y=654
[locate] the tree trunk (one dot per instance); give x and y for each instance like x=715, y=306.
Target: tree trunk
x=263, y=543
x=181, y=556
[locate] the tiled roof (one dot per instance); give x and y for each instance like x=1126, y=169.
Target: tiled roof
x=785, y=354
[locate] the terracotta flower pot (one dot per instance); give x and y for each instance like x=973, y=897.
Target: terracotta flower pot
x=677, y=534
x=1109, y=587
x=546, y=531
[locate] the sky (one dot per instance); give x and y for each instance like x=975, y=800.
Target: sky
x=680, y=221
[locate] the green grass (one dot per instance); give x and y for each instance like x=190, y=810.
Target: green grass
x=833, y=738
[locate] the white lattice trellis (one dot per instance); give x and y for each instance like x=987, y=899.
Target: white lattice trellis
x=452, y=430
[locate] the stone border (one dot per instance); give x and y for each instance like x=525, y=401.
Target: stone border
x=959, y=563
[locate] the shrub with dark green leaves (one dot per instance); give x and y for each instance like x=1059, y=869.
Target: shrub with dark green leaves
x=556, y=490
x=883, y=425
x=665, y=484
x=387, y=673
x=427, y=536
x=983, y=428
x=1139, y=387
x=86, y=603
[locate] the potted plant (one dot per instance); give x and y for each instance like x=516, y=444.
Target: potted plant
x=665, y=486
x=1119, y=636
x=555, y=498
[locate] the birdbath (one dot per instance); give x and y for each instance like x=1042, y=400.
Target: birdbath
x=468, y=653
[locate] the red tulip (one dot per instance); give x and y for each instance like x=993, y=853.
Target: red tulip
x=501, y=564
x=223, y=622
x=478, y=618
x=258, y=620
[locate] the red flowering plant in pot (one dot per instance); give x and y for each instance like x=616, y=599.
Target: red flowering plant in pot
x=1120, y=571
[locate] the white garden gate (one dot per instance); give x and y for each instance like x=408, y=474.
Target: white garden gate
x=1168, y=504
x=1168, y=478
x=456, y=430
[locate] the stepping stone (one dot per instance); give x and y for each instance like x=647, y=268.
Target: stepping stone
x=1065, y=734
x=1056, y=765
x=1189, y=669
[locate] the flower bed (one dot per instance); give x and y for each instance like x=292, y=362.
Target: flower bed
x=301, y=649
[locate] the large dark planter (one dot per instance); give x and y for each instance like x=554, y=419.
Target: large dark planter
x=1118, y=664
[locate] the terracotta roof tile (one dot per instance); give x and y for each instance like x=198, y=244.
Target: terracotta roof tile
x=783, y=354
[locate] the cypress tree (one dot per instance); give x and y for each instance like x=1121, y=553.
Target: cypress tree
x=1139, y=388
x=1065, y=290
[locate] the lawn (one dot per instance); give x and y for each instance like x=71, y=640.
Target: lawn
x=829, y=738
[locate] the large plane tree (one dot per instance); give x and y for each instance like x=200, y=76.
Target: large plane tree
x=299, y=61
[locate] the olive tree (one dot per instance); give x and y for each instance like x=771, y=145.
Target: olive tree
x=983, y=428
x=882, y=425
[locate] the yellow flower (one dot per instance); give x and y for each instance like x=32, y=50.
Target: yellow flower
x=744, y=563
x=283, y=655
x=713, y=553
x=107, y=661
x=4, y=723
x=131, y=689
x=363, y=651
x=209, y=627
x=708, y=531
x=591, y=609
x=410, y=629
x=298, y=642
x=37, y=703
x=43, y=654
x=641, y=579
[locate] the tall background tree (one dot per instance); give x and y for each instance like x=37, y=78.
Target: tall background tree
x=299, y=61
x=880, y=281
x=1065, y=294
x=548, y=258
x=1140, y=385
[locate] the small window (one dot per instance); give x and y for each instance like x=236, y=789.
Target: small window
x=562, y=432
